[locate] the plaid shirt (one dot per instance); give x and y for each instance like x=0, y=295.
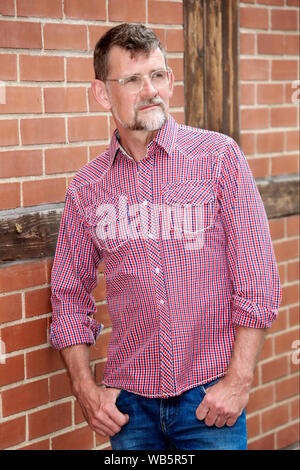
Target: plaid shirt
x=188, y=256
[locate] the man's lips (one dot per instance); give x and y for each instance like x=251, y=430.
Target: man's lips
x=148, y=107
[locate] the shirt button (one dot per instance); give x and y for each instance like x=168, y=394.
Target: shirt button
x=157, y=270
x=145, y=202
x=150, y=235
x=161, y=301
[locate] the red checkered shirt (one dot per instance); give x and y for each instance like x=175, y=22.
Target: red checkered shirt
x=188, y=256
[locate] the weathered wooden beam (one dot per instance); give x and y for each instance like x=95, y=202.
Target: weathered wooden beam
x=28, y=234
x=280, y=198
x=194, y=64
x=231, y=60
x=213, y=71
x=211, y=30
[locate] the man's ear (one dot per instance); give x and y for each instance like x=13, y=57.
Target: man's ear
x=171, y=84
x=101, y=94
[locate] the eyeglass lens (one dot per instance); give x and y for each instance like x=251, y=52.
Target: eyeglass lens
x=135, y=83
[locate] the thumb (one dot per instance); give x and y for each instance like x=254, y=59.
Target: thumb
x=119, y=417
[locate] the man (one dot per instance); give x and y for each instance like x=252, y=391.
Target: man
x=191, y=279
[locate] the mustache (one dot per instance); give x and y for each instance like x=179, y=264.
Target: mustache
x=157, y=100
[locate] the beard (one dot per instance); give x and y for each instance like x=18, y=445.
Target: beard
x=150, y=121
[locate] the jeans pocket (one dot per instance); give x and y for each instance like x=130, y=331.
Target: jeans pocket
x=205, y=387
x=123, y=401
x=119, y=397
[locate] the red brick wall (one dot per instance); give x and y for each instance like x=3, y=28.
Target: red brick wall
x=50, y=126
x=269, y=51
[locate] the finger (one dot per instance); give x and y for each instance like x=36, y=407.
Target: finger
x=119, y=418
x=220, y=421
x=103, y=424
x=231, y=421
x=110, y=424
x=100, y=428
x=211, y=417
x=112, y=410
x=202, y=411
x=112, y=418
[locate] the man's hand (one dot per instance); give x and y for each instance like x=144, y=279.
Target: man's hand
x=99, y=409
x=223, y=403
x=98, y=404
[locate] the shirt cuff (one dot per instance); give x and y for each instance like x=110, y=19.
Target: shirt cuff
x=69, y=330
x=251, y=314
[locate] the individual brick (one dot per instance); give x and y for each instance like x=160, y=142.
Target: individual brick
x=17, y=163
x=40, y=8
x=91, y=10
x=50, y=420
x=129, y=11
x=21, y=35
x=33, y=394
x=10, y=194
x=44, y=191
x=41, y=68
x=12, y=432
x=65, y=36
x=42, y=130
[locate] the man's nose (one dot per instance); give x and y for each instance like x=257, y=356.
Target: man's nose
x=148, y=88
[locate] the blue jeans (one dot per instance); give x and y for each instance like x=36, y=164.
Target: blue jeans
x=171, y=423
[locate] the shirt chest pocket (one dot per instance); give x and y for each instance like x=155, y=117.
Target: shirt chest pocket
x=189, y=206
x=108, y=222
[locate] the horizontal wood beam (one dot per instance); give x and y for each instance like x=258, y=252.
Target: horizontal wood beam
x=32, y=233
x=280, y=198
x=29, y=235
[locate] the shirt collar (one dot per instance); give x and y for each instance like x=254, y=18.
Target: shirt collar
x=120, y=146
x=165, y=138
x=167, y=135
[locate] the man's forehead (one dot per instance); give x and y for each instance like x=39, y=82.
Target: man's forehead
x=126, y=61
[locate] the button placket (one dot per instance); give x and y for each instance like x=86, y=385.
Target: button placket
x=149, y=224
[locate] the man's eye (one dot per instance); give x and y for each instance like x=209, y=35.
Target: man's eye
x=159, y=74
x=132, y=79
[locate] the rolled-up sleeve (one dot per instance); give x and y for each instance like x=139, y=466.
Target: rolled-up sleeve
x=251, y=260
x=74, y=276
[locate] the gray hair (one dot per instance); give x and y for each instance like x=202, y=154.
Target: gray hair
x=133, y=37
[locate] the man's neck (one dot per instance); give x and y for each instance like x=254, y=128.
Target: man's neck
x=135, y=143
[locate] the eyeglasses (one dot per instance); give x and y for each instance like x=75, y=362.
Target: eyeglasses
x=135, y=83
